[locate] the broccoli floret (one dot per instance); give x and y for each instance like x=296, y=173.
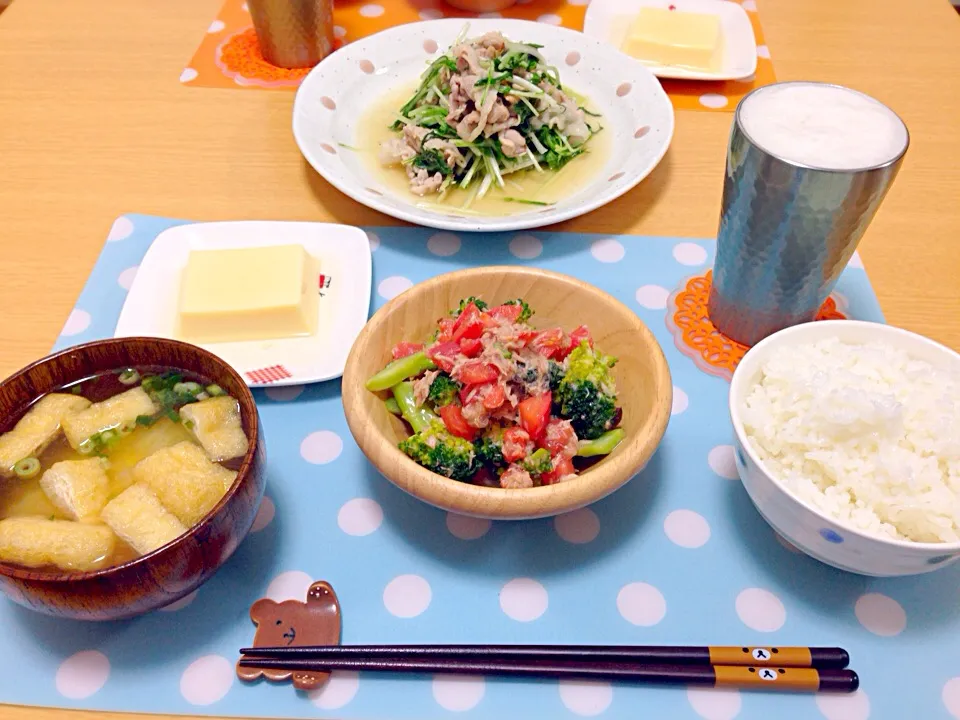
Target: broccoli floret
x=586, y=395
x=555, y=375
x=481, y=305
x=440, y=452
x=538, y=463
x=525, y=314
x=489, y=448
x=443, y=390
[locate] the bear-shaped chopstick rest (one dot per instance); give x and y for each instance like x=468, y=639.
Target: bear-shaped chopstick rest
x=291, y=624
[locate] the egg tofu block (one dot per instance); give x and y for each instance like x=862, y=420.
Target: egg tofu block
x=122, y=409
x=36, y=541
x=215, y=422
x=140, y=520
x=77, y=487
x=37, y=429
x=185, y=480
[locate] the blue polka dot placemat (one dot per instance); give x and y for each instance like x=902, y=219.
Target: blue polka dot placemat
x=678, y=556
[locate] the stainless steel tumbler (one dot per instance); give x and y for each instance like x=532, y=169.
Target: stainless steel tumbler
x=788, y=229
x=293, y=33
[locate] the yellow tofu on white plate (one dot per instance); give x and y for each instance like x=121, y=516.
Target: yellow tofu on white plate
x=185, y=480
x=68, y=545
x=114, y=412
x=215, y=422
x=37, y=429
x=140, y=520
x=79, y=488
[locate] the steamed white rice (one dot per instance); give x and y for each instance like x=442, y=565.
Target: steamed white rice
x=863, y=432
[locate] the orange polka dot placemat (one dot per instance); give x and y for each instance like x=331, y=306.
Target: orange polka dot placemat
x=229, y=56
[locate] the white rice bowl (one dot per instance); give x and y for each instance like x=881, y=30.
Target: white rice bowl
x=862, y=431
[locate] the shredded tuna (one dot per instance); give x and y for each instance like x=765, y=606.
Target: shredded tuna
x=421, y=388
x=515, y=477
x=476, y=415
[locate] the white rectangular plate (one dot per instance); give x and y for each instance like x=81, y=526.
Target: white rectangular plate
x=610, y=20
x=344, y=287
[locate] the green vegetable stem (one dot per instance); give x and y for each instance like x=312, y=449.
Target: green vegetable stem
x=603, y=445
x=400, y=370
x=420, y=417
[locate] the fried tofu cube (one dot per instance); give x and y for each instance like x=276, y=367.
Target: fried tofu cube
x=122, y=409
x=185, y=480
x=36, y=541
x=37, y=429
x=215, y=422
x=78, y=488
x=140, y=520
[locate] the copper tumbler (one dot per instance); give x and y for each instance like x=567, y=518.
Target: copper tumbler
x=293, y=33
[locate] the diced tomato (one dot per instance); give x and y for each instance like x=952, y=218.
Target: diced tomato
x=468, y=324
x=475, y=373
x=493, y=397
x=453, y=418
x=471, y=347
x=488, y=320
x=443, y=355
x=525, y=336
x=548, y=342
x=557, y=439
x=445, y=330
x=574, y=340
x=514, y=444
x=507, y=313
x=403, y=349
x=534, y=414
x=562, y=466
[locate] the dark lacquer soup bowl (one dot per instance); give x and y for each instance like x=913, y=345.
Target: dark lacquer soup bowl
x=177, y=568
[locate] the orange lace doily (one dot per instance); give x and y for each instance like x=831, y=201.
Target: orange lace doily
x=697, y=338
x=240, y=59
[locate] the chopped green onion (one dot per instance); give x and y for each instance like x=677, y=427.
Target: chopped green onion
x=76, y=389
x=129, y=377
x=202, y=396
x=215, y=390
x=188, y=424
x=86, y=447
x=27, y=468
x=187, y=388
x=348, y=147
x=145, y=420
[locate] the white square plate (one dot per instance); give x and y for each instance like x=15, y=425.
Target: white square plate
x=344, y=287
x=609, y=20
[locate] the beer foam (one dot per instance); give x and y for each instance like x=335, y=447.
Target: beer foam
x=822, y=126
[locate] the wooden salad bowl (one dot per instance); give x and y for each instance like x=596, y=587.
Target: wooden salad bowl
x=642, y=377
x=179, y=567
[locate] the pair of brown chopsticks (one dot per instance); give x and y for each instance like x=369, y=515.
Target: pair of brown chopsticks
x=766, y=668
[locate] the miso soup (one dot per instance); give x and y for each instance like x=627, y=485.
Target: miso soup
x=115, y=466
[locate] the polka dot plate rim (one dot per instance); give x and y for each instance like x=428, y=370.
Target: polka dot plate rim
x=609, y=21
x=344, y=284
x=337, y=93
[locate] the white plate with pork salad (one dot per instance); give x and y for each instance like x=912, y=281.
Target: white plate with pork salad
x=490, y=125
